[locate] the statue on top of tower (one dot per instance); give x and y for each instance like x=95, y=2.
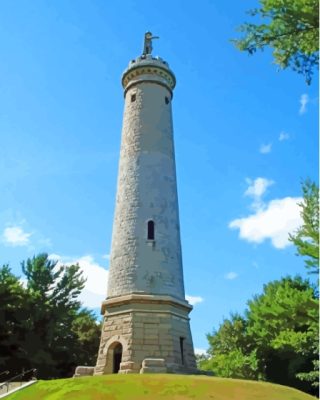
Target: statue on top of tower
x=147, y=46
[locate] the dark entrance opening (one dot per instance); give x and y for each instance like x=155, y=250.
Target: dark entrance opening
x=117, y=356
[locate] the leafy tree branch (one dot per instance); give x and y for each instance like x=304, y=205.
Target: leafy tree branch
x=290, y=28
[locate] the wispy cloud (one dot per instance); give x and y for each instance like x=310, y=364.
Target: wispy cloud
x=45, y=242
x=231, y=275
x=106, y=256
x=255, y=265
x=304, y=100
x=283, y=136
x=265, y=148
x=193, y=300
x=257, y=187
x=96, y=276
x=279, y=218
x=256, y=190
x=16, y=236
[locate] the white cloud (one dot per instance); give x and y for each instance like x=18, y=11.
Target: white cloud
x=256, y=190
x=193, y=300
x=95, y=290
x=304, y=100
x=283, y=136
x=265, y=148
x=106, y=256
x=231, y=275
x=257, y=187
x=54, y=257
x=274, y=221
x=15, y=236
x=200, y=352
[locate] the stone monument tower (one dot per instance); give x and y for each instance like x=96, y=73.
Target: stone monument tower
x=146, y=324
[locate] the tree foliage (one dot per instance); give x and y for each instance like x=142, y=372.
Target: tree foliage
x=42, y=324
x=276, y=340
x=306, y=238
x=232, y=354
x=88, y=332
x=283, y=323
x=290, y=28
x=12, y=303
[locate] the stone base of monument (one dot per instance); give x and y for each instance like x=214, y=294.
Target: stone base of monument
x=140, y=326
x=83, y=371
x=153, y=366
x=149, y=366
x=128, y=367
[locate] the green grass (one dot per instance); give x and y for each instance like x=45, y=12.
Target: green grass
x=156, y=387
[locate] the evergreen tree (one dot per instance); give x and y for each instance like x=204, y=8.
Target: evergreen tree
x=52, y=293
x=12, y=330
x=306, y=238
x=42, y=325
x=88, y=331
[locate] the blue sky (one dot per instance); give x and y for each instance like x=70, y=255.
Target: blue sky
x=245, y=137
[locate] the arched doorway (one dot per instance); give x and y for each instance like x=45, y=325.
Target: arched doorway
x=117, y=357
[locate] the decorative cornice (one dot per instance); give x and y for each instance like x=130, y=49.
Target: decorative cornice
x=145, y=299
x=138, y=71
x=148, y=69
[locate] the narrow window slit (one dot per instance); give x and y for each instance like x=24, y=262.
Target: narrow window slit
x=166, y=100
x=182, y=349
x=133, y=98
x=150, y=230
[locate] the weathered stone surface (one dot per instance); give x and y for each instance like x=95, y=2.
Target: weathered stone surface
x=83, y=371
x=146, y=190
x=127, y=365
x=145, y=313
x=142, y=344
x=153, y=362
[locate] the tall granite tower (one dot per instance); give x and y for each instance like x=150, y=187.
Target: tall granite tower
x=146, y=324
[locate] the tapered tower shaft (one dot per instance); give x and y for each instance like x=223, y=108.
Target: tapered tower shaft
x=146, y=314
x=143, y=261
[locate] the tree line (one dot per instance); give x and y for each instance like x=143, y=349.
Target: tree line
x=44, y=326
x=277, y=337
x=42, y=323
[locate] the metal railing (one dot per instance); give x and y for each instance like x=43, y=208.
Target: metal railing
x=18, y=377
x=4, y=373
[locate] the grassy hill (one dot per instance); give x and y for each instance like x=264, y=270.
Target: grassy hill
x=156, y=387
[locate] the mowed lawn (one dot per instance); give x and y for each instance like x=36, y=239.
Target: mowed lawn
x=154, y=387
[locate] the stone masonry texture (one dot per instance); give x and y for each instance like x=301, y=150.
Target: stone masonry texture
x=146, y=311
